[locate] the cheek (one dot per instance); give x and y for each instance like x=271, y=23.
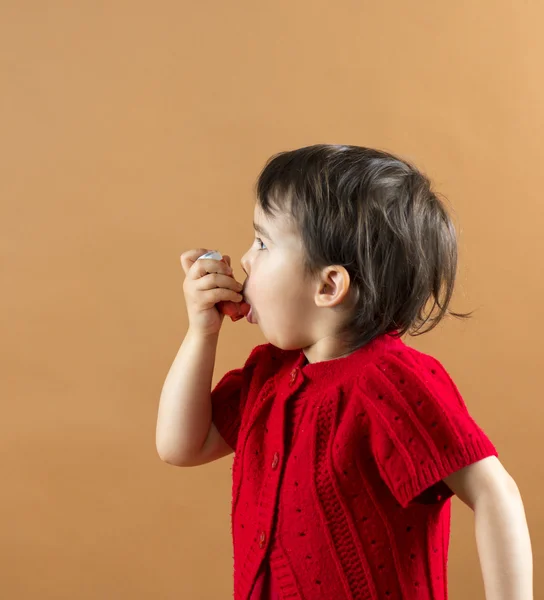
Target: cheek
x=283, y=302
x=273, y=282
x=276, y=287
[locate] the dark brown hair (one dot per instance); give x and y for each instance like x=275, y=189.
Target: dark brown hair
x=376, y=215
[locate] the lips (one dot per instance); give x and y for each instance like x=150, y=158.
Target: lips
x=250, y=316
x=243, y=292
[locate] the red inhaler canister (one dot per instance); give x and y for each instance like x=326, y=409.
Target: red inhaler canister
x=235, y=310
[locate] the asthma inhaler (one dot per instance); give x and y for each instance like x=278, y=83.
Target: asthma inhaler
x=235, y=310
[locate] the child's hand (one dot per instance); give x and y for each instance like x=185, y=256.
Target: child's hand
x=208, y=282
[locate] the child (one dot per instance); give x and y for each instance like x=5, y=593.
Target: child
x=348, y=443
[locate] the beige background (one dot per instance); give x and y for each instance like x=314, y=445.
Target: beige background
x=133, y=131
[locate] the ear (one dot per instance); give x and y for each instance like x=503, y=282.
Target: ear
x=333, y=286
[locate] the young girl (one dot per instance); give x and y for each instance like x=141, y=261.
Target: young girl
x=348, y=443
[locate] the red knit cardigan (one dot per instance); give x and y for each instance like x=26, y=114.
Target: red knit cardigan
x=338, y=468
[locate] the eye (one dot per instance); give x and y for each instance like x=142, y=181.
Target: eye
x=259, y=241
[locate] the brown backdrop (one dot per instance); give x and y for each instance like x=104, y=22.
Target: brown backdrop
x=133, y=131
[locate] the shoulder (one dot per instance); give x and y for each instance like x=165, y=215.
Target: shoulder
x=265, y=361
x=417, y=427
x=265, y=355
x=264, y=352
x=409, y=378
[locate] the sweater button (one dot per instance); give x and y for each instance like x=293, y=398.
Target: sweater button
x=276, y=460
x=262, y=540
x=293, y=376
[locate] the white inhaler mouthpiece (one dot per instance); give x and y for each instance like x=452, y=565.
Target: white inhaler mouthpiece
x=214, y=254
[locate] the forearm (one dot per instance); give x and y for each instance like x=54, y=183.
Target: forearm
x=504, y=545
x=185, y=409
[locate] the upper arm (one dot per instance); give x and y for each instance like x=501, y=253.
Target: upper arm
x=480, y=478
x=229, y=400
x=420, y=430
x=214, y=448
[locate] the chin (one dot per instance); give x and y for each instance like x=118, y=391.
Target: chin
x=283, y=344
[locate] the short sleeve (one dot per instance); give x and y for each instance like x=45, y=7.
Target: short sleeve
x=420, y=429
x=229, y=397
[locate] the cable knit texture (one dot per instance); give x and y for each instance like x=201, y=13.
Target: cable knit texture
x=338, y=467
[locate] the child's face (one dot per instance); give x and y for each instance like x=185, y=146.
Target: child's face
x=283, y=303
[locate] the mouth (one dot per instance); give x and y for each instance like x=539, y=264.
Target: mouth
x=250, y=316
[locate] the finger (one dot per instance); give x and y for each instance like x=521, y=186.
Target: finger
x=216, y=295
x=190, y=256
x=204, y=266
x=214, y=280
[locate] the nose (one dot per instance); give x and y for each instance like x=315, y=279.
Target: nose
x=245, y=263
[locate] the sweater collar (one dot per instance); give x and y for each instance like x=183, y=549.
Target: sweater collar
x=327, y=369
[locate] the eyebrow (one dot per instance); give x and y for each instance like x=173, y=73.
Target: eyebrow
x=262, y=231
